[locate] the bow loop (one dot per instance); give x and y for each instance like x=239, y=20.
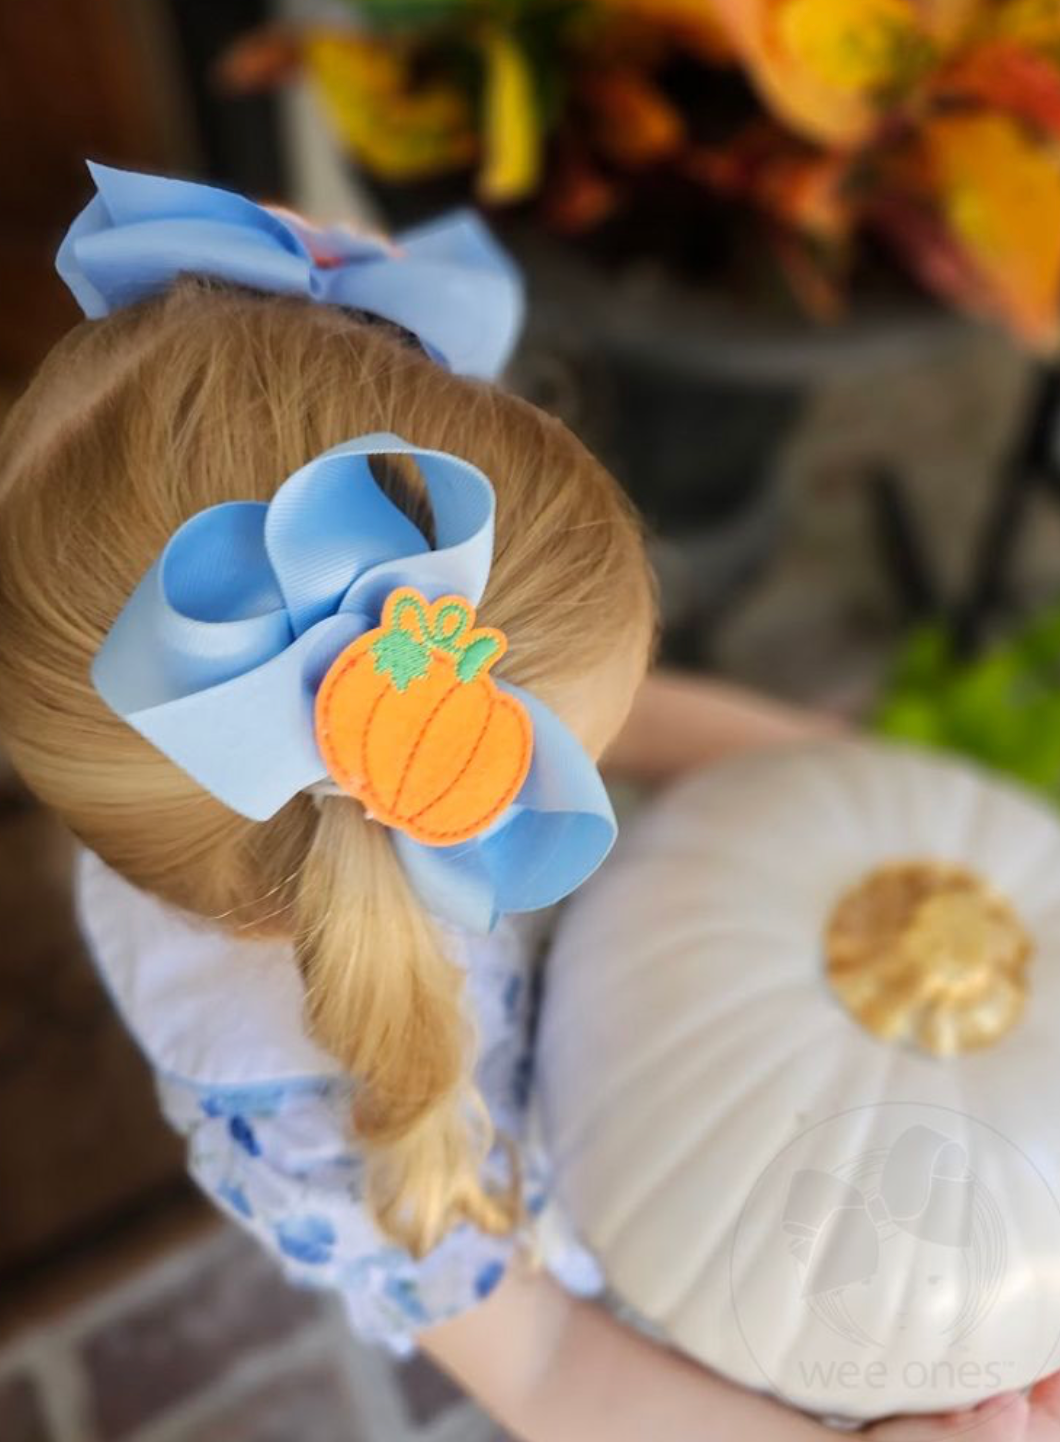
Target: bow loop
x=448, y=283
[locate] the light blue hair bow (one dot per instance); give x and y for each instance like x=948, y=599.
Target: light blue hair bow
x=448, y=282
x=218, y=655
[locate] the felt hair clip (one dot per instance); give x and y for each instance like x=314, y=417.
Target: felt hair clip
x=409, y=721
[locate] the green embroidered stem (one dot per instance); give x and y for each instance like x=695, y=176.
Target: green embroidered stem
x=475, y=656
x=416, y=606
x=406, y=657
x=447, y=640
x=398, y=654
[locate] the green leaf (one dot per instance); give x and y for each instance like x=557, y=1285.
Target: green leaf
x=908, y=718
x=1001, y=707
x=475, y=657
x=925, y=657
x=400, y=656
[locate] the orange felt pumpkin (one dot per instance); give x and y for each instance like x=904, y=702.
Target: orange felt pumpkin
x=410, y=722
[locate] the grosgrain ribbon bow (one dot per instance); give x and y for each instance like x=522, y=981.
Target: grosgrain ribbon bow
x=218, y=656
x=449, y=283
x=925, y=1190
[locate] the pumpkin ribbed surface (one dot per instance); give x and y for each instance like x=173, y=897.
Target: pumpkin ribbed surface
x=807, y=1199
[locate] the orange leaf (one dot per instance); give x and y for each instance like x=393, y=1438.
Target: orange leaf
x=689, y=22
x=981, y=222
x=809, y=194
x=578, y=196
x=259, y=60
x=802, y=188
x=834, y=70
x=949, y=22
x=1006, y=76
x=634, y=123
x=815, y=286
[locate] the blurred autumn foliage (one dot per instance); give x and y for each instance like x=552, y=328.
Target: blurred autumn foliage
x=930, y=128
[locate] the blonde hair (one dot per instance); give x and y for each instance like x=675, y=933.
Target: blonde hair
x=211, y=394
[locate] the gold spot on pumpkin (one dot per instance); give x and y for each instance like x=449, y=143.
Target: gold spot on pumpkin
x=929, y=955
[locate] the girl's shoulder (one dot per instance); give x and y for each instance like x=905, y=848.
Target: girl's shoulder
x=219, y=1011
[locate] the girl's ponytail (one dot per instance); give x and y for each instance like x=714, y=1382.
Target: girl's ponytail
x=384, y=998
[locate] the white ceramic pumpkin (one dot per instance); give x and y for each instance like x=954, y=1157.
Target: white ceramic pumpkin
x=800, y=1076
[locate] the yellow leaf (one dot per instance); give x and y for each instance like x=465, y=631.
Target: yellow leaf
x=1000, y=190
x=859, y=46
x=1028, y=22
x=796, y=95
x=832, y=69
x=632, y=121
x=512, y=134
x=398, y=131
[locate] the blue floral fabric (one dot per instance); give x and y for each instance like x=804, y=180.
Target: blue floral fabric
x=266, y=1116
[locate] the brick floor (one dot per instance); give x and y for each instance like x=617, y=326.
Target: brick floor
x=21, y=1417
x=428, y=1393
x=208, y=1343
x=307, y=1405
x=186, y=1333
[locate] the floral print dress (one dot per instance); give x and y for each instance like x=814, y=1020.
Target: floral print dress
x=265, y=1111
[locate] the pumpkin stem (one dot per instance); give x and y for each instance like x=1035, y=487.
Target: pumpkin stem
x=446, y=637
x=405, y=654
x=399, y=653
x=402, y=607
x=476, y=656
x=401, y=657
